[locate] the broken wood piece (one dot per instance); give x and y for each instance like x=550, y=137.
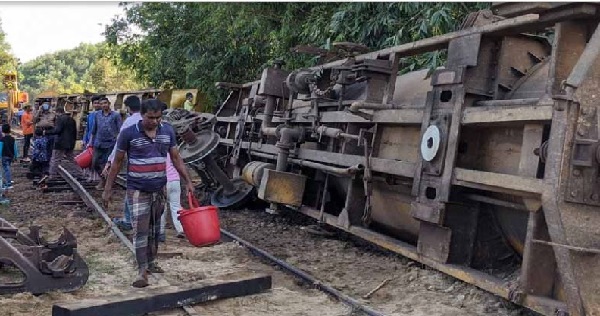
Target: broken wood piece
x=377, y=288
x=141, y=301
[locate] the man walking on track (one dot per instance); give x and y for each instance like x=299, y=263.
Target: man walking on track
x=65, y=134
x=146, y=144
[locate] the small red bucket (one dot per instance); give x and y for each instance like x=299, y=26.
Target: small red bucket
x=200, y=224
x=84, y=159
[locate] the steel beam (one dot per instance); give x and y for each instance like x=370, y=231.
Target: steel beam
x=508, y=114
x=140, y=302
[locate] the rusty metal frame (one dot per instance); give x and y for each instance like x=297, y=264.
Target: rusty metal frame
x=533, y=118
x=482, y=280
x=46, y=266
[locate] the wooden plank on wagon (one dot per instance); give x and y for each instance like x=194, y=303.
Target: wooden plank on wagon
x=141, y=301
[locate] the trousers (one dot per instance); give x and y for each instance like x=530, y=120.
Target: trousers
x=146, y=211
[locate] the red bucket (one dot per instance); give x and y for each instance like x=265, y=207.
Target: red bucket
x=84, y=159
x=200, y=224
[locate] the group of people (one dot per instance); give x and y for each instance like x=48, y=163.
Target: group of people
x=51, y=135
x=142, y=141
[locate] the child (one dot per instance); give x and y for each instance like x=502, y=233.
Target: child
x=3, y=199
x=40, y=158
x=8, y=155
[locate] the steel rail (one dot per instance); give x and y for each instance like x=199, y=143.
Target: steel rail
x=327, y=289
x=89, y=200
x=305, y=276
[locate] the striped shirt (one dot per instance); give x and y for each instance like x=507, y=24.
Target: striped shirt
x=146, y=157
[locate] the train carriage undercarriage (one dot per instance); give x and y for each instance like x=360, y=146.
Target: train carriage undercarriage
x=485, y=169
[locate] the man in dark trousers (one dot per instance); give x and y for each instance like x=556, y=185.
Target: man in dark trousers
x=146, y=144
x=107, y=124
x=65, y=134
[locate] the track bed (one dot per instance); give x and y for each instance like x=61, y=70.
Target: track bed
x=112, y=266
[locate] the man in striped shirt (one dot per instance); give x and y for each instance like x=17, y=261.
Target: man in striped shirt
x=146, y=145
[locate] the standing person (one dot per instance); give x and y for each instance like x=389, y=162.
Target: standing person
x=90, y=120
x=188, y=102
x=104, y=135
x=65, y=134
x=19, y=114
x=45, y=119
x=40, y=159
x=174, y=201
x=146, y=144
x=9, y=154
x=27, y=128
x=134, y=105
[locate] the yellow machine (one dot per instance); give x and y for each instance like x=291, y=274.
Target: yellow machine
x=11, y=97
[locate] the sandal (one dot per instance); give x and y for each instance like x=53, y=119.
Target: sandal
x=154, y=268
x=122, y=224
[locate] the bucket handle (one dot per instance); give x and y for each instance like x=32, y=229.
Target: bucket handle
x=193, y=201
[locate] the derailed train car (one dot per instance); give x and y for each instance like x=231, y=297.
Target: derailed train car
x=80, y=104
x=486, y=169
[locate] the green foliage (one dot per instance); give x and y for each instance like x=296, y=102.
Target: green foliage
x=194, y=45
x=91, y=67
x=7, y=60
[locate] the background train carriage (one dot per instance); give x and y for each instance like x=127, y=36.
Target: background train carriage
x=79, y=104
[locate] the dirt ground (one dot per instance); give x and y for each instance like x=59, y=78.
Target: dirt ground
x=356, y=268
x=112, y=266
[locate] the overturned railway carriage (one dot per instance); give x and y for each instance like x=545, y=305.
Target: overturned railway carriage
x=486, y=169
x=80, y=104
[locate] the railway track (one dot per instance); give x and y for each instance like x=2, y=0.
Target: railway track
x=341, y=267
x=346, y=268
x=88, y=199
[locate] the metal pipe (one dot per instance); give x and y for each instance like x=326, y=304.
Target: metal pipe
x=335, y=133
x=304, y=276
x=267, y=122
x=218, y=174
x=513, y=102
x=330, y=169
x=586, y=61
x=287, y=136
x=326, y=168
x=362, y=105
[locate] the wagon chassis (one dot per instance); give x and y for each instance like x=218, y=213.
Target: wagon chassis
x=554, y=184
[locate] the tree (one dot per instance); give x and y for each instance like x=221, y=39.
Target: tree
x=7, y=60
x=193, y=45
x=90, y=67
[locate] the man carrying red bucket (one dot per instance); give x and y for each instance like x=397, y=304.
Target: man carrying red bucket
x=146, y=145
